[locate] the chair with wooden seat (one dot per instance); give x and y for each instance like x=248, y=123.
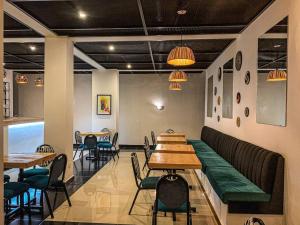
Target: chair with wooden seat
x=53, y=182
x=172, y=195
x=41, y=169
x=147, y=183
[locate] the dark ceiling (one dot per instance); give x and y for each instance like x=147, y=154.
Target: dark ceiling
x=122, y=18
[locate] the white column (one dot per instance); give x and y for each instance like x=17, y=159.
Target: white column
x=58, y=97
x=1, y=113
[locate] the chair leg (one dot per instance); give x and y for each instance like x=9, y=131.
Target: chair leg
x=48, y=204
x=144, y=165
x=67, y=195
x=55, y=197
x=112, y=154
x=75, y=153
x=154, y=218
x=29, y=208
x=135, y=197
x=174, y=216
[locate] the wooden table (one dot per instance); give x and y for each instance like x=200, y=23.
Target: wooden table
x=175, y=148
x=97, y=134
x=174, y=161
x=22, y=161
x=177, y=134
x=171, y=140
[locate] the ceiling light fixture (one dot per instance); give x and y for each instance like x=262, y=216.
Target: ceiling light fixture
x=178, y=76
x=32, y=48
x=277, y=46
x=111, y=48
x=39, y=82
x=82, y=15
x=128, y=66
x=175, y=86
x=21, y=79
x=181, y=11
x=277, y=75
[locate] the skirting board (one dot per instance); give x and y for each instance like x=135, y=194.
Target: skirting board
x=221, y=209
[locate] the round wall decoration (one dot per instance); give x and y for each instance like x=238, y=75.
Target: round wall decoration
x=238, y=60
x=218, y=118
x=219, y=100
x=238, y=121
x=247, y=77
x=238, y=98
x=215, y=109
x=215, y=91
x=219, y=74
x=247, y=111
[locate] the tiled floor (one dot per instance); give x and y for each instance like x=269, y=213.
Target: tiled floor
x=107, y=196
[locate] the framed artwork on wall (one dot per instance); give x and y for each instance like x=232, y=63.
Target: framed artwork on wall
x=103, y=104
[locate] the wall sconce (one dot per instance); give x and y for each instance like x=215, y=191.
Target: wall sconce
x=160, y=107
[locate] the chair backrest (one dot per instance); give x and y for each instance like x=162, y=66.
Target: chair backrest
x=57, y=169
x=253, y=220
x=90, y=142
x=78, y=137
x=153, y=138
x=115, y=139
x=136, y=168
x=45, y=149
x=147, y=149
x=107, y=137
x=170, y=131
x=172, y=190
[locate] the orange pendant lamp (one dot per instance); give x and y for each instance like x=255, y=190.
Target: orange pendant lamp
x=175, y=86
x=277, y=75
x=181, y=56
x=178, y=76
x=39, y=82
x=21, y=79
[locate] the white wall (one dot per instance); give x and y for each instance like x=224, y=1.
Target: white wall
x=184, y=110
x=284, y=140
x=105, y=82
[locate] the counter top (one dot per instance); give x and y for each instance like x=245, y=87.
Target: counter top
x=21, y=120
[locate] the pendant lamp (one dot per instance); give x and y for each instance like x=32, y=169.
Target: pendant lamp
x=39, y=82
x=181, y=56
x=178, y=76
x=175, y=86
x=277, y=75
x=21, y=79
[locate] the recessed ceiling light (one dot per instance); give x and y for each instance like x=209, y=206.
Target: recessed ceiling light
x=82, y=15
x=32, y=48
x=181, y=11
x=111, y=48
x=129, y=66
x=277, y=46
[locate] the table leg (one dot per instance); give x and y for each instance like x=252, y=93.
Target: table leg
x=21, y=172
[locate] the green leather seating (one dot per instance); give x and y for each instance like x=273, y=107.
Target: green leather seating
x=149, y=182
x=12, y=189
x=37, y=181
x=35, y=171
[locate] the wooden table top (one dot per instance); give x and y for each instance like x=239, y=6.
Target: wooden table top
x=171, y=140
x=98, y=134
x=22, y=161
x=175, y=148
x=174, y=161
x=177, y=134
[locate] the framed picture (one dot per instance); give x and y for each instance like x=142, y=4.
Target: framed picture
x=103, y=104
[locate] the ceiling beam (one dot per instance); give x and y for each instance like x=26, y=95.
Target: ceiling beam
x=29, y=21
x=274, y=36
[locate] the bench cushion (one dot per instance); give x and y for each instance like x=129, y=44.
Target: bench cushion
x=231, y=186
x=209, y=160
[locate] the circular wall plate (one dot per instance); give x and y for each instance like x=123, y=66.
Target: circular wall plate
x=247, y=111
x=218, y=118
x=219, y=74
x=219, y=100
x=215, y=109
x=247, y=77
x=215, y=91
x=238, y=98
x=238, y=60
x=238, y=121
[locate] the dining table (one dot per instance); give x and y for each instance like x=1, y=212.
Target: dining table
x=171, y=140
x=96, y=133
x=176, y=134
x=175, y=148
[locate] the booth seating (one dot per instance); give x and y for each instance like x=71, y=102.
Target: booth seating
x=239, y=177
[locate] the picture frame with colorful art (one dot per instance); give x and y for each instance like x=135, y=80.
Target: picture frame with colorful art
x=103, y=104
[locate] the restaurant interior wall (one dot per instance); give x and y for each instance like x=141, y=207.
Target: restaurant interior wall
x=141, y=93
x=284, y=140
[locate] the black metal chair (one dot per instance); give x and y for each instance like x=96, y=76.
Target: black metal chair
x=147, y=183
x=111, y=147
x=253, y=221
x=147, y=152
x=105, y=138
x=154, y=143
x=172, y=195
x=78, y=146
x=90, y=144
x=170, y=131
x=53, y=182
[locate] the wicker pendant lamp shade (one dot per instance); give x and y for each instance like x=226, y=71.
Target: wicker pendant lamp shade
x=175, y=86
x=39, y=82
x=277, y=75
x=181, y=56
x=21, y=79
x=178, y=76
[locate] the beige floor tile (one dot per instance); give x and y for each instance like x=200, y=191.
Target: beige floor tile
x=107, y=196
